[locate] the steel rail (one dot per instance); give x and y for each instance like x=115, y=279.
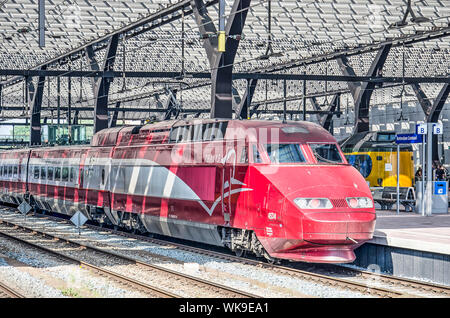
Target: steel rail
x=365, y=288
x=338, y=282
x=145, y=287
x=8, y=291
x=306, y=275
x=404, y=282
x=230, y=292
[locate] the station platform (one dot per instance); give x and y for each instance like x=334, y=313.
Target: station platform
x=409, y=245
x=413, y=231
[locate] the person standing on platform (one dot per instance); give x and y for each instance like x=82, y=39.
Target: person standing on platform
x=441, y=173
x=418, y=176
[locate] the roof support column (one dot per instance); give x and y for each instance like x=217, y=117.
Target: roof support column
x=221, y=63
x=102, y=87
x=326, y=120
x=35, y=128
x=242, y=109
x=362, y=92
x=432, y=111
x=113, y=120
x=1, y=98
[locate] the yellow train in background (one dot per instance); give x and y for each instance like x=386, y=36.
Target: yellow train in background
x=374, y=155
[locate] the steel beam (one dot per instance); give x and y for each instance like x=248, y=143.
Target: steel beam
x=221, y=63
x=326, y=119
x=113, y=120
x=102, y=87
x=438, y=104
x=241, y=75
x=150, y=22
x=242, y=109
x=433, y=110
x=424, y=102
x=93, y=65
x=173, y=108
x=35, y=128
x=363, y=92
x=409, y=39
x=41, y=9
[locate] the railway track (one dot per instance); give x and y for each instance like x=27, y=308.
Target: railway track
x=374, y=284
x=209, y=288
x=8, y=292
x=397, y=285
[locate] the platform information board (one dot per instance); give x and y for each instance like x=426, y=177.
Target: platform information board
x=408, y=138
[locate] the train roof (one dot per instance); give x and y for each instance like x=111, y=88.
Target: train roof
x=235, y=129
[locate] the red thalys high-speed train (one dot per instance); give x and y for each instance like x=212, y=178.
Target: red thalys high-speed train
x=279, y=190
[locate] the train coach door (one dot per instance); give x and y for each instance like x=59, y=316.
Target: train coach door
x=228, y=170
x=228, y=194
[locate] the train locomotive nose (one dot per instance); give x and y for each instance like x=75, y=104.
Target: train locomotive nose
x=323, y=223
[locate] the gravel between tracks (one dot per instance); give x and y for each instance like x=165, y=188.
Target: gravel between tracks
x=248, y=278
x=48, y=271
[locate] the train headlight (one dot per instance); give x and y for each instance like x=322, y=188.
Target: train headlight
x=313, y=203
x=360, y=203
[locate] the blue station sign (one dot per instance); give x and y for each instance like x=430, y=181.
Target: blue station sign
x=408, y=138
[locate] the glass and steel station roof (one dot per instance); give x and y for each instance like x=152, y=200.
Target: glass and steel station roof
x=301, y=31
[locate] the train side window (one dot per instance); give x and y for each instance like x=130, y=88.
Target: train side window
x=43, y=173
x=221, y=130
x=36, y=173
x=15, y=171
x=81, y=176
x=72, y=174
x=256, y=155
x=174, y=135
x=186, y=134
x=244, y=155
x=50, y=173
x=10, y=170
x=103, y=176
x=197, y=133
x=65, y=174
x=58, y=174
x=207, y=132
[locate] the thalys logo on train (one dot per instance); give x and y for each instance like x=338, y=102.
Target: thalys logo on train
x=227, y=184
x=176, y=188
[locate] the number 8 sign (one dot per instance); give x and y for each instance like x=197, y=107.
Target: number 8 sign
x=437, y=129
x=422, y=129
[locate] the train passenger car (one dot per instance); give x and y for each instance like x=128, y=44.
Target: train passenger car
x=13, y=175
x=279, y=190
x=374, y=154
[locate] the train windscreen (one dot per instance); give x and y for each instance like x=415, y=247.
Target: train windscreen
x=285, y=153
x=326, y=153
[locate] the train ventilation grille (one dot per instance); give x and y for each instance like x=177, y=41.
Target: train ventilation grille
x=339, y=203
